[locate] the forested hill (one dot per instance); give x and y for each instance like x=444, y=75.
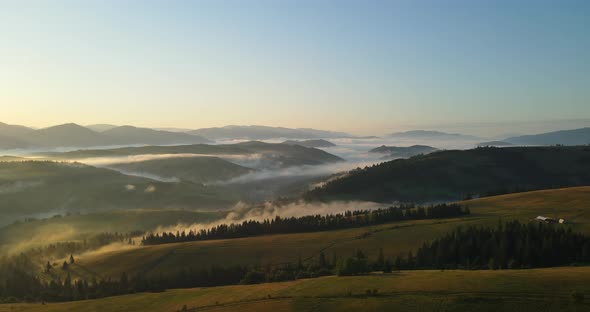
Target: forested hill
x=451, y=175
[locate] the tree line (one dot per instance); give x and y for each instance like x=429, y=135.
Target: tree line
x=19, y=285
x=507, y=246
x=510, y=245
x=311, y=223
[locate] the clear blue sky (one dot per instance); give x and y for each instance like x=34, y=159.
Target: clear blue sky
x=358, y=66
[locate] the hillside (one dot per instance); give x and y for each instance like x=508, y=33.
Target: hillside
x=428, y=290
x=14, y=130
x=395, y=238
x=263, y=133
x=193, y=169
x=455, y=174
x=564, y=137
x=403, y=151
x=32, y=188
x=76, y=227
x=290, y=155
x=11, y=136
x=271, y=154
x=9, y=143
x=311, y=143
x=67, y=135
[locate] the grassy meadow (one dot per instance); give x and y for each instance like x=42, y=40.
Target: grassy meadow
x=429, y=290
x=395, y=238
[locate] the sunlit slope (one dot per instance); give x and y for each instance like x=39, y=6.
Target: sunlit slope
x=22, y=235
x=572, y=204
x=395, y=238
x=503, y=290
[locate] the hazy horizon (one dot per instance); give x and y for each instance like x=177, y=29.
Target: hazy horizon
x=484, y=130
x=363, y=68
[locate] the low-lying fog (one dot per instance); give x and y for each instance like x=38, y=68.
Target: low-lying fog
x=355, y=152
x=243, y=212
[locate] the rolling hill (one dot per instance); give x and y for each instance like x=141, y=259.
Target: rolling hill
x=35, y=188
x=426, y=290
x=310, y=143
x=461, y=290
x=271, y=154
x=395, y=238
x=565, y=137
x=403, y=151
x=76, y=227
x=455, y=174
x=193, y=169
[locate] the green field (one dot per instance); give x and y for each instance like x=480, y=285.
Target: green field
x=452, y=290
x=395, y=238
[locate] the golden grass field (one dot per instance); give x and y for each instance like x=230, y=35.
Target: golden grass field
x=395, y=238
x=429, y=290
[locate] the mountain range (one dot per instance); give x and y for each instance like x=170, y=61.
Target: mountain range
x=73, y=135
x=565, y=137
x=403, y=151
x=430, y=135
x=265, y=133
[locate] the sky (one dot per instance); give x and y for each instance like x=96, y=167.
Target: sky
x=365, y=67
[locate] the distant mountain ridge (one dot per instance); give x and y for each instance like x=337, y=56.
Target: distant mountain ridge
x=134, y=135
x=310, y=143
x=430, y=134
x=101, y=127
x=74, y=135
x=264, y=133
x=14, y=130
x=565, y=137
x=403, y=151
